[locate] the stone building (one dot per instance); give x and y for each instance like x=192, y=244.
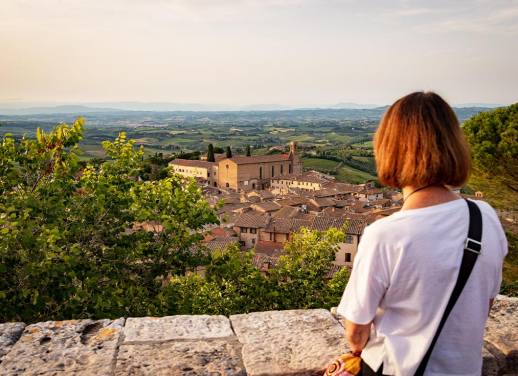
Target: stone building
x=257, y=172
x=201, y=170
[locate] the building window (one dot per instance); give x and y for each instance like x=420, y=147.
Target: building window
x=227, y=185
x=273, y=171
x=253, y=230
x=289, y=169
x=349, y=239
x=245, y=182
x=244, y=230
x=347, y=257
x=253, y=185
x=260, y=172
x=253, y=240
x=271, y=236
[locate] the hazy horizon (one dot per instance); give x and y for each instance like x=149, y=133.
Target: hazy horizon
x=239, y=53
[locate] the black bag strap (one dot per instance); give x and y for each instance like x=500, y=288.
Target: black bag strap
x=472, y=249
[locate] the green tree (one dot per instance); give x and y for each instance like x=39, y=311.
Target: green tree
x=229, y=152
x=233, y=285
x=493, y=136
x=248, y=151
x=210, y=153
x=301, y=272
x=72, y=241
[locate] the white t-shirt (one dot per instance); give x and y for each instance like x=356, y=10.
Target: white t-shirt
x=402, y=278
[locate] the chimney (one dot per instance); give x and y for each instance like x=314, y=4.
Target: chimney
x=293, y=147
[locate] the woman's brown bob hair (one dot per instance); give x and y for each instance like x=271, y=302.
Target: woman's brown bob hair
x=419, y=142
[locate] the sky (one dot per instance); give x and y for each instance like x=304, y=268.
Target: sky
x=251, y=52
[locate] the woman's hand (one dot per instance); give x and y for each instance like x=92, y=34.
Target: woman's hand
x=357, y=335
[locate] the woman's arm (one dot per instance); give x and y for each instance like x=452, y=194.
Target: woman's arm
x=357, y=335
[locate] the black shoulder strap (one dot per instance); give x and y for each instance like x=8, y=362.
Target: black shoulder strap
x=472, y=249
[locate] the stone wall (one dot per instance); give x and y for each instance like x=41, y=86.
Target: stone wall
x=297, y=342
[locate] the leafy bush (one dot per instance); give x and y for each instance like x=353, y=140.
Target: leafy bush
x=233, y=285
x=70, y=246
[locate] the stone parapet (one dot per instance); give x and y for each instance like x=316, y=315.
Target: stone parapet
x=294, y=342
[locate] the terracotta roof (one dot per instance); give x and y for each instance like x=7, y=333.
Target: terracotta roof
x=293, y=201
x=220, y=242
x=326, y=192
x=322, y=223
x=272, y=249
x=219, y=232
x=356, y=226
x=286, y=212
x=286, y=225
x=334, y=212
x=266, y=206
x=233, y=207
x=192, y=163
x=322, y=202
x=253, y=220
x=260, y=158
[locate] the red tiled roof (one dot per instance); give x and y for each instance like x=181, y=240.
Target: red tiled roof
x=286, y=212
x=260, y=158
x=266, y=206
x=220, y=242
x=355, y=226
x=272, y=249
x=252, y=220
x=287, y=225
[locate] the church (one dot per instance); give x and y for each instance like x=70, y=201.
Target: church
x=242, y=173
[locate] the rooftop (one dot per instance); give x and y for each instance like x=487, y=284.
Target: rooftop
x=260, y=158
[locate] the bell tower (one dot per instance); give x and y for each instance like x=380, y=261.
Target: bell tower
x=293, y=147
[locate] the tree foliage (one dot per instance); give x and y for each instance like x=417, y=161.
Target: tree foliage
x=70, y=243
x=233, y=285
x=493, y=136
x=210, y=153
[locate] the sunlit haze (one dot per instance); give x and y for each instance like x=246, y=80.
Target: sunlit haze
x=246, y=52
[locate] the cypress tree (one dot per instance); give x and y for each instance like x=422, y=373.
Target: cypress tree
x=229, y=152
x=210, y=154
x=248, y=152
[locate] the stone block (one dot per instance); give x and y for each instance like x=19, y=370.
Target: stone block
x=501, y=334
x=294, y=342
x=181, y=327
x=218, y=357
x=9, y=333
x=75, y=347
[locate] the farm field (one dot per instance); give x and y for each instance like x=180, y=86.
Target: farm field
x=341, y=171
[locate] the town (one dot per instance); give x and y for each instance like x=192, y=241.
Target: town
x=262, y=200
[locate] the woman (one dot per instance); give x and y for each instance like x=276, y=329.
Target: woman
x=407, y=263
